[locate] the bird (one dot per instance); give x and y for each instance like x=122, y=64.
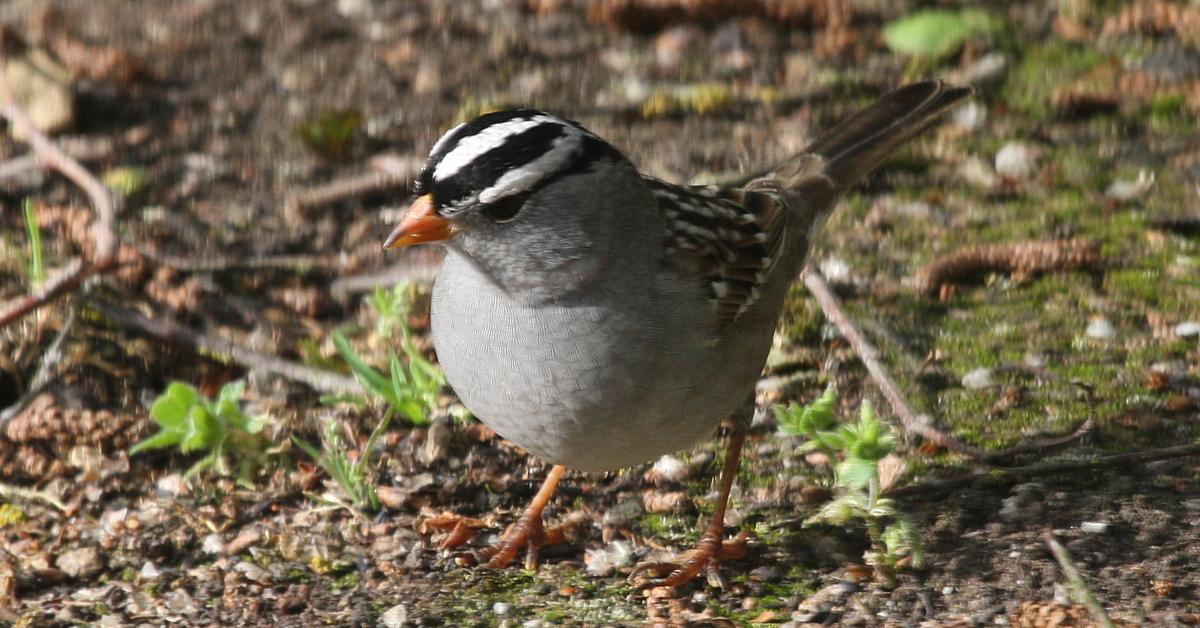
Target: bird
x=599, y=317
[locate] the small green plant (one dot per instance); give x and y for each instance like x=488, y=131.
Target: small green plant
x=194, y=423
x=391, y=307
x=933, y=34
x=858, y=449
x=350, y=475
x=411, y=388
x=35, y=268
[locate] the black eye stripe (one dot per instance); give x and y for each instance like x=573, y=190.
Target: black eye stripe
x=516, y=138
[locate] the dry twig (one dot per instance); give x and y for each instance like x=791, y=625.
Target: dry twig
x=1078, y=587
x=103, y=234
x=169, y=330
x=389, y=171
x=912, y=422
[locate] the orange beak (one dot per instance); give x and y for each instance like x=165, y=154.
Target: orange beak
x=420, y=224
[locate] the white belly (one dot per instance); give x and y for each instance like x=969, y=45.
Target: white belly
x=576, y=383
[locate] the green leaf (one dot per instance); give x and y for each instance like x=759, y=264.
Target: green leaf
x=368, y=376
x=165, y=438
x=935, y=33
x=203, y=430
x=170, y=409
x=810, y=419
x=855, y=473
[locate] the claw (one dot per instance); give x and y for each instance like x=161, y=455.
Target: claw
x=705, y=557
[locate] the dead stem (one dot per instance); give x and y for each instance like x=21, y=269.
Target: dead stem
x=103, y=234
x=1078, y=588
x=165, y=329
x=913, y=423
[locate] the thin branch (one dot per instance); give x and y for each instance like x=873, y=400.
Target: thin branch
x=1080, y=592
x=389, y=171
x=298, y=263
x=1019, y=474
x=171, y=331
x=9, y=491
x=103, y=234
x=913, y=423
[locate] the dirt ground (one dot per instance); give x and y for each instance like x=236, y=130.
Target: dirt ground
x=220, y=122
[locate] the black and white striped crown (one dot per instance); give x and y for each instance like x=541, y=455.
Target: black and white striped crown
x=505, y=153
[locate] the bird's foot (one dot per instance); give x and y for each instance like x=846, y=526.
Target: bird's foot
x=531, y=534
x=528, y=533
x=705, y=557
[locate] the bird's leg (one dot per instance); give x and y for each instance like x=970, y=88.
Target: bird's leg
x=712, y=547
x=528, y=531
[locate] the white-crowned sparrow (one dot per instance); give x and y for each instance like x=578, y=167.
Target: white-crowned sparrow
x=598, y=317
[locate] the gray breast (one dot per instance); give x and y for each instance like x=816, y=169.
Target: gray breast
x=596, y=383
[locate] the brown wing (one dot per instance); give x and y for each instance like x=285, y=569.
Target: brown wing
x=734, y=236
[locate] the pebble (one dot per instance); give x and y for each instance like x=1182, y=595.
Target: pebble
x=978, y=173
x=836, y=271
x=978, y=378
x=501, y=609
x=1017, y=160
x=970, y=117
x=82, y=562
x=1101, y=329
x=149, y=571
x=988, y=68
x=667, y=470
x=605, y=562
x=1093, y=527
x=212, y=544
x=1128, y=190
x=394, y=617
x=1187, y=329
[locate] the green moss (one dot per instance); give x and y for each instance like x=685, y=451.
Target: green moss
x=1046, y=67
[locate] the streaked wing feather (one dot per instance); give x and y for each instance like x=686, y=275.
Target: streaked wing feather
x=734, y=237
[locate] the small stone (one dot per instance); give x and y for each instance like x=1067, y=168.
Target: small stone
x=605, y=562
x=83, y=562
x=1127, y=190
x=1187, y=329
x=172, y=485
x=501, y=609
x=947, y=590
x=766, y=573
x=253, y=572
x=667, y=470
x=1017, y=160
x=836, y=271
x=1093, y=527
x=623, y=513
x=978, y=173
x=970, y=117
x=674, y=45
x=1101, y=329
x=149, y=571
x=212, y=544
x=978, y=378
x=988, y=68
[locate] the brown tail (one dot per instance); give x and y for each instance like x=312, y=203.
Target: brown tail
x=861, y=142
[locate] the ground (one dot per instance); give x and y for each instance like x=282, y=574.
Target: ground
x=216, y=121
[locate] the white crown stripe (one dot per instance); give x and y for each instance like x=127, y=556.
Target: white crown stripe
x=472, y=147
x=525, y=177
x=445, y=138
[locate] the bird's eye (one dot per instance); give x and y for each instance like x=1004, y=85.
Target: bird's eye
x=505, y=209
